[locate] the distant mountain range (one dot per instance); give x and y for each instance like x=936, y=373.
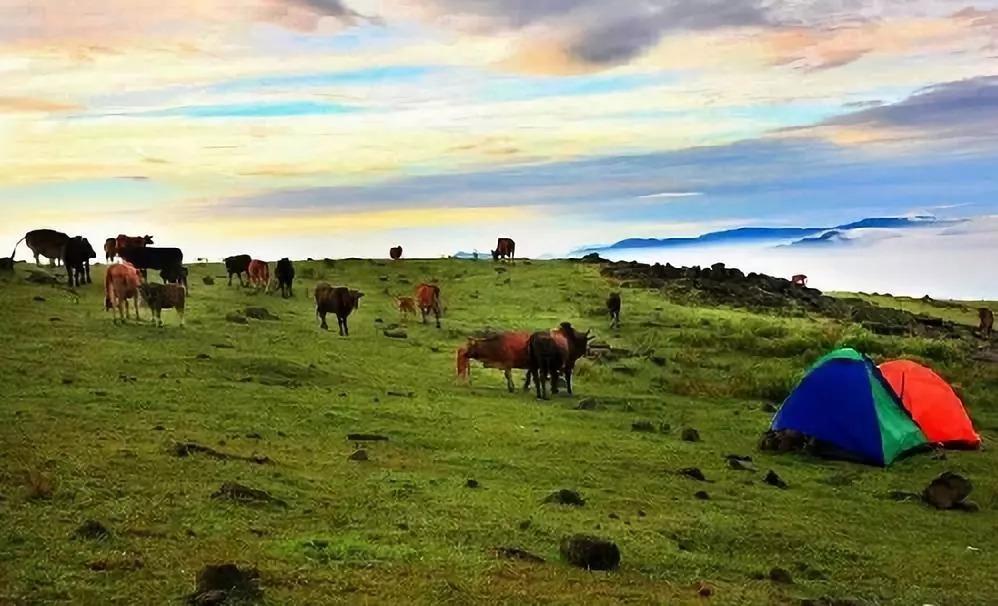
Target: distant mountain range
x=789, y=236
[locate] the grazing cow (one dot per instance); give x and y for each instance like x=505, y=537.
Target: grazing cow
x=46, y=243
x=428, y=298
x=337, y=300
x=505, y=248
x=110, y=249
x=76, y=258
x=121, y=283
x=148, y=257
x=122, y=242
x=285, y=274
x=987, y=318
x=799, y=280
x=613, y=306
x=164, y=296
x=175, y=275
x=406, y=305
x=506, y=350
x=237, y=266
x=259, y=273
x=395, y=252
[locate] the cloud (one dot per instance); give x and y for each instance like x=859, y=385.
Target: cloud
x=30, y=105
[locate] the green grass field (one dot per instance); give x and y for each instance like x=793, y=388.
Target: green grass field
x=90, y=412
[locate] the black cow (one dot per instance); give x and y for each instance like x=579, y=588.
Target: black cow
x=285, y=275
x=545, y=357
x=613, y=306
x=340, y=301
x=44, y=243
x=237, y=266
x=76, y=257
x=175, y=275
x=150, y=257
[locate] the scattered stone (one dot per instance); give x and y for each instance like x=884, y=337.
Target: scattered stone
x=525, y=524
x=93, y=530
x=658, y=361
x=55, y=319
x=236, y=318
x=396, y=333
x=694, y=473
x=401, y=394
x=947, y=490
x=202, y=356
x=259, y=313
x=587, y=404
x=223, y=346
x=768, y=407
x=780, y=575
x=643, y=426
x=234, y=491
x=613, y=516
x=704, y=590
x=472, y=484
x=740, y=463
x=591, y=553
x=702, y=495
x=967, y=506
x=690, y=435
x=774, y=480
x=38, y=299
x=254, y=436
x=515, y=553
x=186, y=449
x=217, y=583
x=67, y=381
x=641, y=513
x=565, y=497
x=366, y=437
x=900, y=495
x=158, y=428
x=208, y=281
x=359, y=455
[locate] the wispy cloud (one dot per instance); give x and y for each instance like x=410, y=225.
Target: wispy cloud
x=673, y=194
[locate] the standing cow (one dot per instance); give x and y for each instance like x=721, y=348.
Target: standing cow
x=121, y=283
x=613, y=306
x=164, y=296
x=259, y=273
x=336, y=300
x=47, y=243
x=76, y=258
x=799, y=280
x=987, y=325
x=395, y=252
x=122, y=242
x=285, y=275
x=428, y=298
x=505, y=249
x=238, y=265
x=148, y=257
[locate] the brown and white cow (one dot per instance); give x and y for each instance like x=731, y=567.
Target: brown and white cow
x=428, y=299
x=259, y=273
x=121, y=284
x=164, y=296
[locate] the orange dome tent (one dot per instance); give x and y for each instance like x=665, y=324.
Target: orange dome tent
x=932, y=403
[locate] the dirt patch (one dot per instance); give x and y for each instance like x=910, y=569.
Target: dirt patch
x=233, y=491
x=186, y=449
x=217, y=583
x=591, y=553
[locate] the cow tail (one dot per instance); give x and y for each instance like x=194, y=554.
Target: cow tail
x=16, y=245
x=107, y=290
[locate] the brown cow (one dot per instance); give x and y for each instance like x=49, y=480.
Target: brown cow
x=259, y=273
x=506, y=350
x=987, y=318
x=406, y=305
x=799, y=280
x=121, y=283
x=428, y=298
x=613, y=306
x=122, y=242
x=337, y=300
x=45, y=243
x=505, y=248
x=164, y=296
x=110, y=249
x=395, y=252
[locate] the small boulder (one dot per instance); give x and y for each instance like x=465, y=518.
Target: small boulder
x=259, y=313
x=947, y=490
x=359, y=455
x=208, y=281
x=565, y=497
x=591, y=553
x=396, y=333
x=774, y=480
x=217, y=583
x=780, y=575
x=472, y=484
x=93, y=530
x=643, y=426
x=740, y=463
x=690, y=435
x=702, y=495
x=768, y=407
x=587, y=404
x=515, y=553
x=693, y=473
x=236, y=318
x=38, y=299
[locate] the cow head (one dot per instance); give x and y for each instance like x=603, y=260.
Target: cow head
x=147, y=239
x=356, y=294
x=495, y=255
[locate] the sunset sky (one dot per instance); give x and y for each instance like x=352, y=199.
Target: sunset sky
x=341, y=127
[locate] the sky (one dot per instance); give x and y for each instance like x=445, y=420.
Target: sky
x=313, y=128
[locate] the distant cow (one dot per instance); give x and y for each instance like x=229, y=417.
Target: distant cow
x=237, y=266
x=110, y=249
x=76, y=258
x=259, y=273
x=122, y=242
x=395, y=252
x=164, y=296
x=46, y=243
x=613, y=306
x=428, y=299
x=176, y=275
x=505, y=249
x=799, y=280
x=121, y=283
x=506, y=350
x=148, y=257
x=336, y=300
x=285, y=275
x=406, y=305
x=987, y=318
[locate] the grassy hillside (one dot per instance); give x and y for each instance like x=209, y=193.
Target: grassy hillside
x=90, y=414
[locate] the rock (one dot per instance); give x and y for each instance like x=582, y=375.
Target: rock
x=658, y=361
x=515, y=553
x=223, y=346
x=774, y=480
x=236, y=318
x=591, y=553
x=202, y=356
x=525, y=524
x=359, y=455
x=396, y=333
x=216, y=584
x=780, y=575
x=472, y=484
x=613, y=516
x=665, y=428
x=767, y=407
x=254, y=436
x=967, y=506
x=643, y=426
x=704, y=590
x=690, y=435
x=259, y=313
x=565, y=497
x=38, y=299
x=366, y=437
x=740, y=463
x=587, y=404
x=694, y=473
x=702, y=495
x=208, y=281
x=946, y=490
x=93, y=530
x=234, y=491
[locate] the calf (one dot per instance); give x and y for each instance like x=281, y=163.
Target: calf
x=237, y=266
x=987, y=325
x=76, y=257
x=799, y=280
x=285, y=274
x=259, y=273
x=613, y=306
x=121, y=283
x=337, y=300
x=406, y=305
x=428, y=297
x=164, y=296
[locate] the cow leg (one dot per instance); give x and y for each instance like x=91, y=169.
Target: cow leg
x=554, y=382
x=180, y=314
x=509, y=380
x=568, y=380
x=423, y=312
x=436, y=314
x=526, y=382
x=322, y=318
x=86, y=269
